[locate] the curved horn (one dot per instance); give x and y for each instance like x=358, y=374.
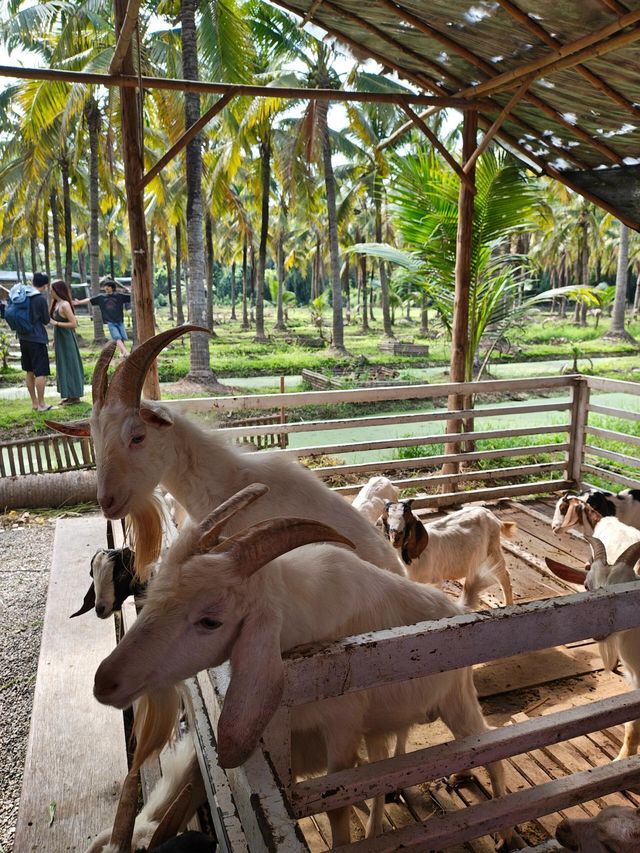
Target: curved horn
x=100, y=381
x=77, y=428
x=125, y=819
x=597, y=549
x=126, y=384
x=630, y=555
x=213, y=523
x=257, y=545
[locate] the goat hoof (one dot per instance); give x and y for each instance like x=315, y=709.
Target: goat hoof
x=458, y=778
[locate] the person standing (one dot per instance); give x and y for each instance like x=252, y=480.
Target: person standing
x=69, y=372
x=111, y=304
x=34, y=356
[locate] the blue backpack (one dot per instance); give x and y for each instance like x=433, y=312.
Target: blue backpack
x=18, y=310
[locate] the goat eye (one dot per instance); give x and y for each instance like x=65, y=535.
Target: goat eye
x=209, y=623
x=137, y=439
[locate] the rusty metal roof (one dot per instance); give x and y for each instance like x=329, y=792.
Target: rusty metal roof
x=574, y=63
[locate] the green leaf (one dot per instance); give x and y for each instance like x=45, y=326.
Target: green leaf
x=52, y=812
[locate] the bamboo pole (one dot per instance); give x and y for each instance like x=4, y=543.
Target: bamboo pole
x=124, y=37
x=539, y=31
x=460, y=330
x=573, y=53
x=433, y=139
x=133, y=169
x=495, y=127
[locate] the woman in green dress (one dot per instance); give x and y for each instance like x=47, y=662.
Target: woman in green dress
x=69, y=372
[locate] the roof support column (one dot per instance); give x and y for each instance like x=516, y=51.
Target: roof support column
x=133, y=172
x=460, y=355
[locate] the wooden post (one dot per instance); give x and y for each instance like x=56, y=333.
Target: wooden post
x=141, y=290
x=579, y=417
x=460, y=331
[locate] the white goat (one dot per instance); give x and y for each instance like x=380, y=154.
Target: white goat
x=139, y=445
x=616, y=535
x=616, y=551
x=247, y=599
x=625, y=506
x=615, y=829
x=171, y=803
x=370, y=499
x=465, y=544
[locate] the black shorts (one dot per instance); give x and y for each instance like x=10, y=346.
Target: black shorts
x=34, y=358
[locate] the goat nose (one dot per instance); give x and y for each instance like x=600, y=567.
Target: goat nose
x=100, y=610
x=105, y=684
x=106, y=501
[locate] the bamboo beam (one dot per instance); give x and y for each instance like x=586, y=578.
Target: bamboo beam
x=615, y=6
x=433, y=139
x=310, y=13
x=186, y=137
x=573, y=53
x=539, y=31
x=240, y=90
x=124, y=37
x=495, y=127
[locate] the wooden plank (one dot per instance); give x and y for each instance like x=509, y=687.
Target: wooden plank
x=601, y=453
x=614, y=386
x=558, y=794
x=349, y=786
x=611, y=435
x=450, y=498
x=611, y=476
x=76, y=755
x=614, y=413
x=359, y=662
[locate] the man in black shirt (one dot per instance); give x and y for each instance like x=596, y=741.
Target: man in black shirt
x=34, y=356
x=111, y=303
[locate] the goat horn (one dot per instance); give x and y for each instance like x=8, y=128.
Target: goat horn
x=126, y=383
x=173, y=819
x=210, y=528
x=597, y=549
x=125, y=819
x=257, y=545
x=630, y=555
x=100, y=380
x=80, y=429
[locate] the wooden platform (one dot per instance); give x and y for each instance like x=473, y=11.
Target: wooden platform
x=512, y=690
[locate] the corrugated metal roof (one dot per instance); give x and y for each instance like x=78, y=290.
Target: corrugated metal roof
x=580, y=117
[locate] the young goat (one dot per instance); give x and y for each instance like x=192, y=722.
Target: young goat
x=465, y=544
x=114, y=580
x=370, y=499
x=172, y=802
x=625, y=506
x=247, y=599
x=615, y=829
x=607, y=571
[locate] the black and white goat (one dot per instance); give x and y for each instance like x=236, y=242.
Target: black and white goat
x=114, y=580
x=463, y=545
x=625, y=506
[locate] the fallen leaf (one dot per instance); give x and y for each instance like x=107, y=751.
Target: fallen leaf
x=52, y=813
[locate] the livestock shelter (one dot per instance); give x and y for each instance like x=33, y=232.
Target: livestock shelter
x=558, y=84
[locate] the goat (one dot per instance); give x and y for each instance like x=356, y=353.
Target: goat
x=171, y=803
x=613, y=563
x=625, y=506
x=465, y=544
x=615, y=829
x=370, y=499
x=247, y=599
x=616, y=536
x=114, y=580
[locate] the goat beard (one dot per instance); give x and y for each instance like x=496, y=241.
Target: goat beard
x=145, y=527
x=157, y=716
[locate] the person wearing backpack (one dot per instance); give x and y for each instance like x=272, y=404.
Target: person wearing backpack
x=33, y=343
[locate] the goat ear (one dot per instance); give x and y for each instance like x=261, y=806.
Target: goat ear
x=77, y=428
x=88, y=604
x=566, y=573
x=254, y=694
x=155, y=417
x=420, y=539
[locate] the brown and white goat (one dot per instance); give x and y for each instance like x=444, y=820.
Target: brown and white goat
x=255, y=595
x=463, y=545
x=625, y=506
x=616, y=829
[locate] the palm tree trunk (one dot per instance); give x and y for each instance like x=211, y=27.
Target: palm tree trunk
x=209, y=266
x=265, y=181
x=617, y=329
x=636, y=299
x=179, y=308
x=112, y=264
x=245, y=284
x=55, y=222
x=200, y=363
x=167, y=258
x=346, y=273
x=45, y=240
x=424, y=315
x=280, y=271
x=92, y=115
x=363, y=293
x=332, y=220
x=384, y=281
x=33, y=242
x=66, y=208
x=233, y=291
